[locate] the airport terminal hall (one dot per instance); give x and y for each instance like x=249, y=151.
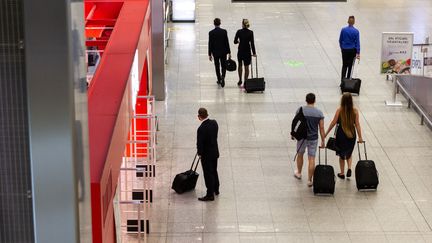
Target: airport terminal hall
x=216, y=121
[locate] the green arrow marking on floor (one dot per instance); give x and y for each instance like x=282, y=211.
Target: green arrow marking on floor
x=294, y=63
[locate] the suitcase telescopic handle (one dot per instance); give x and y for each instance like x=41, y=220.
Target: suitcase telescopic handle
x=319, y=154
x=358, y=147
x=354, y=72
x=256, y=67
x=197, y=162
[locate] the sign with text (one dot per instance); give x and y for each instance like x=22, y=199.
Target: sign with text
x=427, y=60
x=417, y=61
x=421, y=62
x=396, y=52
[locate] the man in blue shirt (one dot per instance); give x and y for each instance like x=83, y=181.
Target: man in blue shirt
x=349, y=42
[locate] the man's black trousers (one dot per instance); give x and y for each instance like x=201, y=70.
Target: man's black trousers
x=211, y=176
x=220, y=63
x=348, y=56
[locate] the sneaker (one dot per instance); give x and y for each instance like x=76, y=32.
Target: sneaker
x=297, y=175
x=310, y=183
x=349, y=173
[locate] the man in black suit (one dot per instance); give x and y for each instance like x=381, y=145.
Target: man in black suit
x=218, y=49
x=208, y=151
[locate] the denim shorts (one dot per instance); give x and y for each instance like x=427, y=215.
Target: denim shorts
x=311, y=146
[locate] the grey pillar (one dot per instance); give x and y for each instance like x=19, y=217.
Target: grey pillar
x=158, y=63
x=57, y=106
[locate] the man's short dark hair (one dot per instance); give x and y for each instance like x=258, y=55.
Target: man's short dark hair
x=217, y=21
x=202, y=112
x=310, y=98
x=351, y=17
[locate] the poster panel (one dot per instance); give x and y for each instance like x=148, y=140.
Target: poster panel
x=396, y=52
x=427, y=60
x=417, y=60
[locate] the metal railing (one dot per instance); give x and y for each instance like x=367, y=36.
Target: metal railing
x=137, y=173
x=418, y=92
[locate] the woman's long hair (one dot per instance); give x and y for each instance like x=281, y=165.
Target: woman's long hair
x=347, y=115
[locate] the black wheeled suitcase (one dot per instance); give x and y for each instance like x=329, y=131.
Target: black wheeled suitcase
x=324, y=176
x=187, y=180
x=254, y=84
x=366, y=173
x=351, y=85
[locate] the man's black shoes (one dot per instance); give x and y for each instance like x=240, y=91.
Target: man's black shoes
x=206, y=198
x=222, y=83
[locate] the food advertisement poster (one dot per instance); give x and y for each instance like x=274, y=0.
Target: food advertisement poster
x=396, y=52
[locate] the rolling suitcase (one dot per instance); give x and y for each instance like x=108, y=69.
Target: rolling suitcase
x=365, y=172
x=351, y=85
x=187, y=180
x=324, y=176
x=254, y=84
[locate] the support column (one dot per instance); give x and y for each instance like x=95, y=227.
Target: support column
x=158, y=51
x=57, y=109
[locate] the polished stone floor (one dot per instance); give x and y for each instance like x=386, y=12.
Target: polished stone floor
x=260, y=200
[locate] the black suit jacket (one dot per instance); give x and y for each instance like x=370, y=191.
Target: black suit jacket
x=207, y=145
x=245, y=38
x=218, y=44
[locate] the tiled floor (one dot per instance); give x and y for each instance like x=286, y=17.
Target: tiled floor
x=260, y=199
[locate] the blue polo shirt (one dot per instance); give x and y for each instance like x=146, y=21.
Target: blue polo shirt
x=350, y=38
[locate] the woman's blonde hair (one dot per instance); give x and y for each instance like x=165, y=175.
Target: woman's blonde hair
x=245, y=23
x=347, y=115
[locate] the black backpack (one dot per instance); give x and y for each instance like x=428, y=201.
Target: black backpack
x=299, y=126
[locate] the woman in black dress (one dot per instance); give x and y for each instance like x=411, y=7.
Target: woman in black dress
x=245, y=38
x=347, y=119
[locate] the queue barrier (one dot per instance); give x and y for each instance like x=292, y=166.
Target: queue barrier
x=418, y=92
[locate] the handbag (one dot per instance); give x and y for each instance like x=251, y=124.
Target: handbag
x=331, y=142
x=230, y=65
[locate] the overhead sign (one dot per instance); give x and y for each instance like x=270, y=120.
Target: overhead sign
x=396, y=52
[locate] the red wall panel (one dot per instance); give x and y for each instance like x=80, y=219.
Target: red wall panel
x=110, y=106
